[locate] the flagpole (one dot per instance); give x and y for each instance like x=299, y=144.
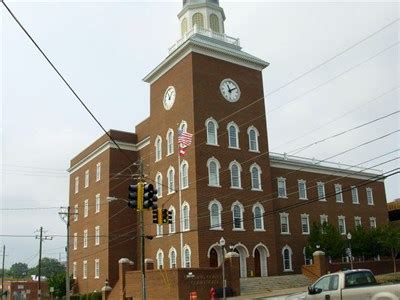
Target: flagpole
x=180, y=204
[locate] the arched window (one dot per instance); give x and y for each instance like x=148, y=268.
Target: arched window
x=212, y=132
x=213, y=171
x=171, y=180
x=184, y=26
x=159, y=184
x=185, y=216
x=172, y=258
x=235, y=169
x=258, y=215
x=186, y=257
x=215, y=209
x=253, y=139
x=184, y=175
x=214, y=23
x=172, y=226
x=183, y=126
x=287, y=258
x=160, y=259
x=255, y=172
x=233, y=135
x=198, y=20
x=237, y=213
x=158, y=146
x=170, y=142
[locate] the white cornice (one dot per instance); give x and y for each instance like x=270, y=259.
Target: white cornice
x=209, y=47
x=106, y=146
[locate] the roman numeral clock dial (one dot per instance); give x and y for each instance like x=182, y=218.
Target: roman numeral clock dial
x=230, y=90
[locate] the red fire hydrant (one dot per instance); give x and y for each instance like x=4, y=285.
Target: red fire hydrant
x=213, y=294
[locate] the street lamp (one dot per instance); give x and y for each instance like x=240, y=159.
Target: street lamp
x=349, y=252
x=222, y=244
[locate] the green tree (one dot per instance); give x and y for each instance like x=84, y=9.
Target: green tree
x=58, y=283
x=326, y=238
x=19, y=270
x=50, y=268
x=390, y=240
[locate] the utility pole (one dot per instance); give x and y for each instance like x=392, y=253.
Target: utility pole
x=142, y=253
x=41, y=238
x=2, y=272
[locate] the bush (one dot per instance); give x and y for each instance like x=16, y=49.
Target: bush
x=82, y=297
x=96, y=296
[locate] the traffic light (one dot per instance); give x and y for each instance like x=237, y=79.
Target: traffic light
x=170, y=212
x=155, y=216
x=164, y=216
x=135, y=195
x=149, y=196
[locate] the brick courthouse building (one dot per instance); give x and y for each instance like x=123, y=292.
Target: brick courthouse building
x=227, y=185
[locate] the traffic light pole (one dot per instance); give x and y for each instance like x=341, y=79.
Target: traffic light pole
x=142, y=254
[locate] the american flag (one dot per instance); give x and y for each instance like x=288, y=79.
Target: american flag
x=184, y=138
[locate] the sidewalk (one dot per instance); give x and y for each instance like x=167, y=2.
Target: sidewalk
x=270, y=293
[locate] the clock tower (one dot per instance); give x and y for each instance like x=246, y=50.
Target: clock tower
x=210, y=87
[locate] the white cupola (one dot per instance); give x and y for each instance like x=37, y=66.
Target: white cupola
x=203, y=14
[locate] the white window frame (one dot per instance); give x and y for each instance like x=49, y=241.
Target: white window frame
x=323, y=219
x=338, y=193
x=343, y=219
x=354, y=195
x=370, y=196
x=172, y=259
x=74, y=268
x=217, y=168
x=302, y=186
x=321, y=191
x=96, y=268
x=171, y=180
x=357, y=221
x=170, y=141
x=76, y=212
x=215, y=123
x=160, y=259
x=239, y=167
x=183, y=126
x=184, y=175
x=84, y=267
x=98, y=171
x=241, y=212
x=259, y=172
x=86, y=208
x=97, y=235
x=282, y=181
x=306, y=218
x=218, y=225
x=255, y=218
x=230, y=146
x=172, y=227
x=76, y=184
x=75, y=240
x=158, y=148
x=372, y=222
x=87, y=179
x=256, y=135
x=307, y=261
x=85, y=238
x=185, y=218
x=159, y=230
x=290, y=252
x=186, y=263
x=97, y=206
x=284, y=216
x=159, y=184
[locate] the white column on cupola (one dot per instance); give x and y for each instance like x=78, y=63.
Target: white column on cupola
x=205, y=14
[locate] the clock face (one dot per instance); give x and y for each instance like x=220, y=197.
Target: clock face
x=230, y=90
x=169, y=97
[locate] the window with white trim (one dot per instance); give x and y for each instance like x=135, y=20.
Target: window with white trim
x=323, y=219
x=172, y=227
x=282, y=187
x=172, y=258
x=170, y=142
x=159, y=230
x=85, y=238
x=213, y=172
x=96, y=268
x=321, y=191
x=98, y=171
x=253, y=134
x=184, y=174
x=342, y=225
x=302, y=189
x=214, y=23
x=370, y=196
x=305, y=223
x=160, y=259
x=215, y=209
x=236, y=170
x=97, y=235
x=255, y=172
x=184, y=26
x=233, y=135
x=86, y=178
x=372, y=222
x=354, y=195
x=86, y=208
x=287, y=258
x=198, y=20
x=186, y=216
x=237, y=214
x=357, y=222
x=183, y=126
x=212, y=132
x=75, y=240
x=76, y=212
x=84, y=273
x=284, y=218
x=186, y=257
x=307, y=260
x=338, y=193
x=97, y=206
x=159, y=186
x=158, y=148
x=171, y=180
x=76, y=185
x=74, y=267
x=258, y=215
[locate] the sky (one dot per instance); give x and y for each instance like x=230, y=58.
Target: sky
x=104, y=49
